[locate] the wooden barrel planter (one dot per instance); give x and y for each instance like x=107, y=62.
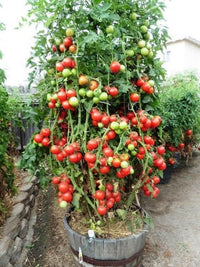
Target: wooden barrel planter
x=126, y=251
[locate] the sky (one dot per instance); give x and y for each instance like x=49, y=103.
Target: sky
x=182, y=19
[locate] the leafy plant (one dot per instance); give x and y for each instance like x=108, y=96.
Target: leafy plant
x=100, y=135
x=180, y=101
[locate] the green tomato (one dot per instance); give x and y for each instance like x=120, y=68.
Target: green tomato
x=110, y=160
x=69, y=32
x=144, y=29
x=133, y=153
x=97, y=92
x=133, y=16
x=114, y=125
x=119, y=131
x=66, y=73
x=82, y=92
x=146, y=36
x=74, y=72
x=73, y=101
x=110, y=29
x=49, y=96
x=131, y=147
x=95, y=99
x=130, y=52
x=53, y=82
x=150, y=55
x=122, y=68
x=63, y=204
x=146, y=23
x=90, y=93
x=124, y=164
x=57, y=104
x=144, y=51
x=151, y=83
x=141, y=43
x=58, y=41
x=50, y=71
x=103, y=96
x=123, y=125
x=100, y=125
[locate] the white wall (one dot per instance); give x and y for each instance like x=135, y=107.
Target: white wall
x=182, y=56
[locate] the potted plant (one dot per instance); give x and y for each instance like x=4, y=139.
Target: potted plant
x=102, y=141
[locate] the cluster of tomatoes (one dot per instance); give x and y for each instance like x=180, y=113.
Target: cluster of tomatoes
x=70, y=151
x=65, y=189
x=149, y=187
x=43, y=138
x=106, y=198
x=63, y=98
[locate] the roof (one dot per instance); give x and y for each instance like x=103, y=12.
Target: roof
x=187, y=39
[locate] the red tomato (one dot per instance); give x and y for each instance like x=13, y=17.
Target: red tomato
x=55, y=180
x=92, y=144
x=89, y=157
x=103, y=161
x=63, y=187
x=38, y=138
x=45, y=132
x=59, y=67
x=73, y=158
x=134, y=97
x=100, y=195
x=69, y=149
x=104, y=169
x=113, y=91
x=102, y=210
x=109, y=187
x=108, y=152
x=45, y=141
x=55, y=149
x=115, y=67
x=67, y=196
x=140, y=82
x=155, y=179
x=160, y=150
x=60, y=156
x=68, y=42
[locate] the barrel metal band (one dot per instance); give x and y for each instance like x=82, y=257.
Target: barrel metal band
x=96, y=262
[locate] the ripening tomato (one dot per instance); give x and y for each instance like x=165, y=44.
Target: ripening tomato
x=68, y=42
x=115, y=67
x=93, y=85
x=59, y=67
x=83, y=79
x=72, y=49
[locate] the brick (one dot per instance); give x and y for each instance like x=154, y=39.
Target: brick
x=6, y=248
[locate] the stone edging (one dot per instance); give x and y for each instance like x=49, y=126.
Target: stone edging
x=18, y=230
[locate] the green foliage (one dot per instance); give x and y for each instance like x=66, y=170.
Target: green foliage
x=180, y=109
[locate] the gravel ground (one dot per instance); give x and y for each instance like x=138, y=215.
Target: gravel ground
x=174, y=241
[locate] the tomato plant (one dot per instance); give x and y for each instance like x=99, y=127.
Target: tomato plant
x=101, y=98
